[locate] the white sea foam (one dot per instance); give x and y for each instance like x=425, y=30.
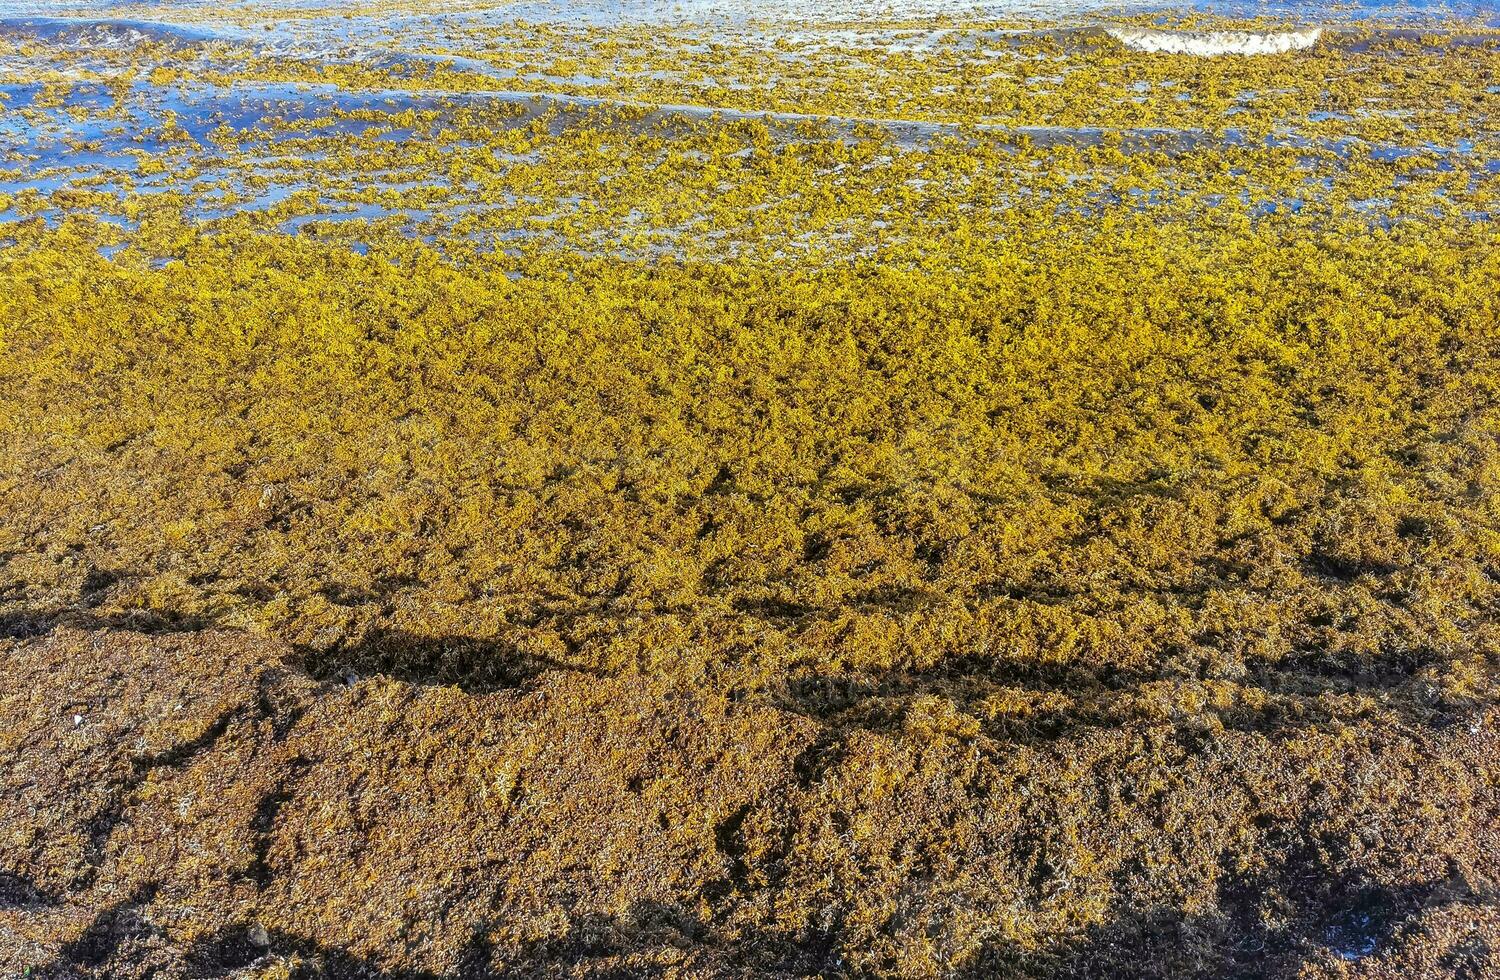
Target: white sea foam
x=1211, y=43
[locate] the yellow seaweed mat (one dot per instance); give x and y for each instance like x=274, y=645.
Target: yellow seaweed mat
x=1124, y=604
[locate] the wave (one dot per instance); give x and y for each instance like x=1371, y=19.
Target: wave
x=1212, y=43
x=98, y=34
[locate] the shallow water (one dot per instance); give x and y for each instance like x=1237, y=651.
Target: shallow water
x=227, y=114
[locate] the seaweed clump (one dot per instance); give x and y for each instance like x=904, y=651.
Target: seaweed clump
x=1123, y=609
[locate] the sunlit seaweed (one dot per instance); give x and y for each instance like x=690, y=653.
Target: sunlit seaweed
x=911, y=498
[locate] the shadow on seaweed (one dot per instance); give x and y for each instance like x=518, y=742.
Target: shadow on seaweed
x=474, y=665
x=589, y=937
x=1053, y=700
x=29, y=624
x=119, y=935
x=20, y=892
x=25, y=624
x=232, y=951
x=1342, y=918
x=1338, y=917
